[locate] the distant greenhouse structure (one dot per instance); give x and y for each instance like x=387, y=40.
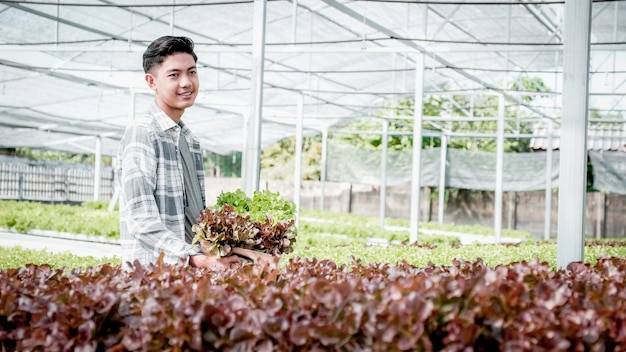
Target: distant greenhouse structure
x=72, y=80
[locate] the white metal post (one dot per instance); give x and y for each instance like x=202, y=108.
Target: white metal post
x=443, y=155
x=97, y=168
x=297, y=177
x=294, y=21
x=547, y=231
x=383, y=174
x=548, y=194
x=132, y=105
x=251, y=171
x=497, y=212
x=323, y=168
x=57, y=24
x=573, y=158
x=172, y=11
x=418, y=107
x=116, y=188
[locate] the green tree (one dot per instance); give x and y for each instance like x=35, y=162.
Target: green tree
x=54, y=155
x=453, y=105
x=219, y=165
x=278, y=162
x=279, y=157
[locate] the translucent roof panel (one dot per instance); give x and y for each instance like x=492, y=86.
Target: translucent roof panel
x=70, y=70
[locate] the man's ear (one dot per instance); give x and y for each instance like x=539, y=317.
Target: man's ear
x=150, y=80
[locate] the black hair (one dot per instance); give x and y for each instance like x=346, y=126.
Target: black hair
x=164, y=46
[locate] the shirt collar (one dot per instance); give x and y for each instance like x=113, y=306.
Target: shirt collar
x=161, y=118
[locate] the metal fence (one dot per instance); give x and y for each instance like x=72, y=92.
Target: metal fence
x=52, y=182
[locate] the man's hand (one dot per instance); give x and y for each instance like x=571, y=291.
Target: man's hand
x=205, y=261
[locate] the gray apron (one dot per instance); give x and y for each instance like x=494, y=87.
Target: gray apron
x=192, y=193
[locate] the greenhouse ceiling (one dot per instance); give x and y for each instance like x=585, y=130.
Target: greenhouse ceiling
x=71, y=70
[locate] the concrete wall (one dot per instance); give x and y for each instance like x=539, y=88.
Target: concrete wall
x=521, y=210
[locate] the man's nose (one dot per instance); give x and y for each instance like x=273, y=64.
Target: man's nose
x=185, y=81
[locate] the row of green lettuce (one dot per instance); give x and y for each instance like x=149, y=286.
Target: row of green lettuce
x=92, y=218
x=337, y=237
x=347, y=250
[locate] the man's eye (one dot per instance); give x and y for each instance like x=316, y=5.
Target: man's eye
x=173, y=74
x=193, y=72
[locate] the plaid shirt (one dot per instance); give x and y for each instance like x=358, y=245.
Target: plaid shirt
x=150, y=174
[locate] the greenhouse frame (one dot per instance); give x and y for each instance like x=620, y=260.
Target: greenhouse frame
x=72, y=78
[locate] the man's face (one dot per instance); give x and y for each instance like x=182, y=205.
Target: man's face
x=175, y=84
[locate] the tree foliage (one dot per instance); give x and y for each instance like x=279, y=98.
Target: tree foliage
x=277, y=160
x=451, y=105
x=54, y=155
x=475, y=126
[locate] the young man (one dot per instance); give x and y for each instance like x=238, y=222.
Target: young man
x=160, y=165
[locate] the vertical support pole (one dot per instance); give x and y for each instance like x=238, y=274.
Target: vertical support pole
x=20, y=186
x=443, y=155
x=131, y=106
x=385, y=151
x=615, y=36
x=547, y=230
x=116, y=188
x=57, y=23
x=573, y=161
x=66, y=184
x=97, y=168
x=252, y=130
x=497, y=212
x=297, y=177
x=599, y=200
x=383, y=173
x=130, y=27
x=132, y=102
x=172, y=17
x=294, y=21
x=418, y=108
x=323, y=169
